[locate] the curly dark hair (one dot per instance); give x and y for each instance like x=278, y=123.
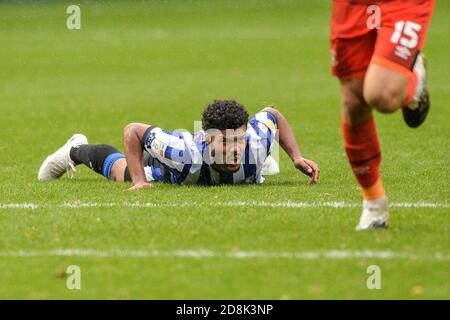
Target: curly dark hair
x=224, y=114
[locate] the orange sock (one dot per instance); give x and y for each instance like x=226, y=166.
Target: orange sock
x=374, y=192
x=364, y=154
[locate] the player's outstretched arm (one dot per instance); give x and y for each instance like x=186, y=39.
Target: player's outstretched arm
x=290, y=146
x=132, y=140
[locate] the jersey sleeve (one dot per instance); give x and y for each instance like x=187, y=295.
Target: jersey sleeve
x=170, y=148
x=265, y=128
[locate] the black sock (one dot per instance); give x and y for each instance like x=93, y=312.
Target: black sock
x=94, y=156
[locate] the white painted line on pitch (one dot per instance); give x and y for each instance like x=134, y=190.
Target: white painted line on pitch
x=19, y=206
x=263, y=204
x=202, y=254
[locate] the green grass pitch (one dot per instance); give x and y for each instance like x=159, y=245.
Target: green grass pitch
x=160, y=63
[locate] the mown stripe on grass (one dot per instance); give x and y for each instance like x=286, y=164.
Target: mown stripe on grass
x=202, y=254
x=285, y=204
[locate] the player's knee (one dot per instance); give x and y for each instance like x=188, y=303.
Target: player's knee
x=385, y=101
x=351, y=101
x=354, y=105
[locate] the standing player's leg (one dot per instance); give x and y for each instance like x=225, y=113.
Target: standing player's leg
x=396, y=76
x=389, y=87
x=364, y=153
x=352, y=47
x=381, y=69
x=384, y=89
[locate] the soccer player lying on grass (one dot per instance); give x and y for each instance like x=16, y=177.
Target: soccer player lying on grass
x=229, y=150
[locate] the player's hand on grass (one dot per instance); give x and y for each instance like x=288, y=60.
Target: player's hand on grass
x=140, y=185
x=308, y=167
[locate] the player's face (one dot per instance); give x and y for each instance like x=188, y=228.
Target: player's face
x=228, y=147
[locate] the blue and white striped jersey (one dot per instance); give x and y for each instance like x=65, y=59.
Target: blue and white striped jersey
x=181, y=157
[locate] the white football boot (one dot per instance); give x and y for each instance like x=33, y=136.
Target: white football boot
x=59, y=162
x=375, y=215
